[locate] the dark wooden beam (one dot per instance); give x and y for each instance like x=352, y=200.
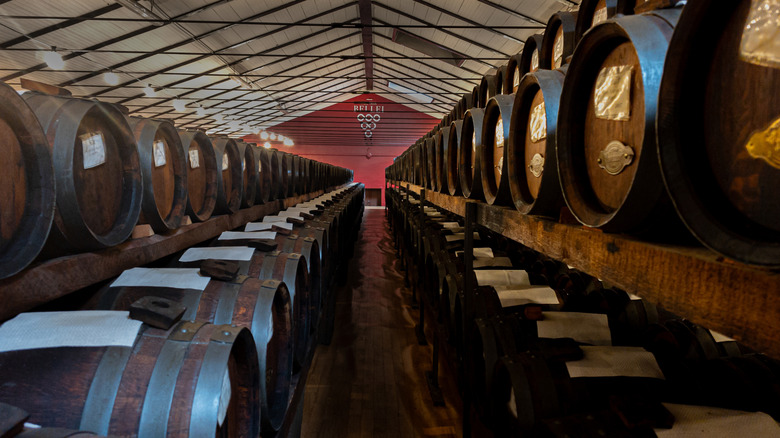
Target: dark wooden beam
x=368, y=41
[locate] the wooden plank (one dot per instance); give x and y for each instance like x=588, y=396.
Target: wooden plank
x=738, y=300
x=58, y=277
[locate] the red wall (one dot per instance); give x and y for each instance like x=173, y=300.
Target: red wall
x=334, y=135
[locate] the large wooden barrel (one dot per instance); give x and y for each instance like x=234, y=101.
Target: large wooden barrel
x=249, y=174
x=469, y=165
x=304, y=242
x=96, y=167
x=522, y=63
x=718, y=143
x=593, y=12
x=164, y=173
x=263, y=191
x=489, y=86
x=439, y=139
x=495, y=142
x=283, y=182
x=170, y=382
x=451, y=166
x=430, y=163
x=559, y=40
x=532, y=166
x=606, y=145
x=27, y=192
x=292, y=174
x=202, y=174
x=260, y=305
x=465, y=102
x=231, y=181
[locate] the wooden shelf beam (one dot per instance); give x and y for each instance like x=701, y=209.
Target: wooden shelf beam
x=738, y=300
x=58, y=277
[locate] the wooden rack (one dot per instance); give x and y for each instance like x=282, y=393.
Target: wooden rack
x=738, y=300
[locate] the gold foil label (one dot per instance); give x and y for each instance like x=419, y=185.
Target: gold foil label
x=612, y=94
x=558, y=52
x=537, y=165
x=538, y=123
x=765, y=144
x=761, y=35
x=516, y=80
x=598, y=16
x=615, y=157
x=535, y=60
x=500, y=133
x=500, y=166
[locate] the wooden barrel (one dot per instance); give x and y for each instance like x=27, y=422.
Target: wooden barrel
x=163, y=171
x=305, y=176
x=716, y=142
x=279, y=166
x=249, y=174
x=96, y=167
x=469, y=165
x=430, y=163
x=559, y=40
x=451, y=159
x=304, y=242
x=465, y=102
x=442, y=135
x=264, y=175
x=606, y=147
x=495, y=142
x=488, y=87
x=530, y=61
x=230, y=182
x=593, y=12
x=202, y=174
x=532, y=166
x=170, y=382
x=292, y=174
x=27, y=192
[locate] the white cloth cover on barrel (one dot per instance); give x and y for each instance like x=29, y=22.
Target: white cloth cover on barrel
x=264, y=226
x=588, y=328
x=502, y=277
x=517, y=296
x=178, y=278
x=615, y=362
x=238, y=235
x=241, y=253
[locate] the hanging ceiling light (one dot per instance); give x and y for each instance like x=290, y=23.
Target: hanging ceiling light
x=179, y=105
x=273, y=136
x=288, y=142
x=111, y=78
x=264, y=135
x=53, y=59
x=267, y=145
x=149, y=91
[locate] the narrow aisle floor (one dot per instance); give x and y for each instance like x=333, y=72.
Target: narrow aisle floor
x=369, y=382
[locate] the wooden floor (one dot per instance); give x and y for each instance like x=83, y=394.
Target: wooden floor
x=369, y=381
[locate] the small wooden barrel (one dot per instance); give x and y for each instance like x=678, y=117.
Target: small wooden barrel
x=718, y=144
x=202, y=174
x=495, y=142
x=27, y=192
x=451, y=159
x=96, y=167
x=264, y=175
x=531, y=162
x=559, y=40
x=469, y=154
x=606, y=147
x=249, y=174
x=593, y=12
x=170, y=382
x=430, y=163
x=488, y=87
x=164, y=173
x=231, y=181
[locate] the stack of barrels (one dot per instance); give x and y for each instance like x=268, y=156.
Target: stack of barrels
x=616, y=114
x=541, y=349
x=227, y=329
x=80, y=175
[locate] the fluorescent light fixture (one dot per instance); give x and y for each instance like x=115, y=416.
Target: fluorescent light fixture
x=288, y=142
x=267, y=145
x=264, y=135
x=414, y=95
x=149, y=91
x=273, y=136
x=53, y=59
x=179, y=105
x=111, y=78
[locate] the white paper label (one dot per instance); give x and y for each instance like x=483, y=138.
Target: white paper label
x=720, y=337
x=274, y=219
x=94, y=149
x=500, y=133
x=615, y=362
x=516, y=80
x=514, y=296
x=535, y=60
x=538, y=123
x=459, y=236
x=587, y=328
x=241, y=253
x=80, y=328
x=449, y=225
x=289, y=213
x=484, y=253
x=178, y=278
x=709, y=422
x=264, y=226
x=238, y=235
x=158, y=149
x=599, y=15
x=612, y=95
x=558, y=52
x=224, y=398
x=225, y=162
x=194, y=159
x=502, y=277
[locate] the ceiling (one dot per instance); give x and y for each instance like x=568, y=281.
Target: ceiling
x=237, y=66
